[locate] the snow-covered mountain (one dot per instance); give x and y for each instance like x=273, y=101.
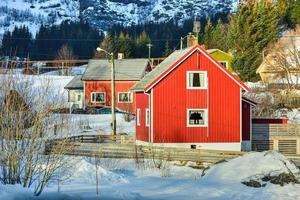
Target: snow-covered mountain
x=104, y=13
x=33, y=13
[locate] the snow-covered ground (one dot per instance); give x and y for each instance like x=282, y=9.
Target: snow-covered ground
x=56, y=84
x=73, y=72
x=82, y=124
x=124, y=179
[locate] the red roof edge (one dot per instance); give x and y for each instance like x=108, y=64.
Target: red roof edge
x=249, y=101
x=202, y=50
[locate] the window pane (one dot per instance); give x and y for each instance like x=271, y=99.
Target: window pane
x=196, y=80
x=196, y=117
x=99, y=97
x=224, y=64
x=202, y=80
x=124, y=97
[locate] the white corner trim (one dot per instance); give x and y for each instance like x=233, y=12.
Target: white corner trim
x=196, y=88
x=241, y=115
x=151, y=115
x=198, y=125
x=235, y=146
x=98, y=93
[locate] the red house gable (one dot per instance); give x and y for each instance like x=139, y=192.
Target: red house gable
x=199, y=48
x=182, y=113
x=97, y=82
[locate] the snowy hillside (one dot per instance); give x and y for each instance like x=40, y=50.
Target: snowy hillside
x=104, y=13
x=33, y=13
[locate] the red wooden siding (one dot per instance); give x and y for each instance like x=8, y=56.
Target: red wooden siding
x=171, y=99
x=269, y=121
x=142, y=102
x=105, y=86
x=246, y=121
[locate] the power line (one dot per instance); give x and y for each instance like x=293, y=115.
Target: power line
x=73, y=39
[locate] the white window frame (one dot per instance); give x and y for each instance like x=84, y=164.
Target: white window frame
x=196, y=88
x=138, y=116
x=197, y=125
x=147, y=117
x=224, y=62
x=98, y=101
x=131, y=99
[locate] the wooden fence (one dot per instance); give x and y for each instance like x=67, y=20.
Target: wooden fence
x=106, y=146
x=119, y=139
x=124, y=147
x=284, y=138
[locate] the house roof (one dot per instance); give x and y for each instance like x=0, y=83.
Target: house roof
x=163, y=66
x=174, y=60
x=219, y=50
x=212, y=50
x=285, y=46
x=125, y=69
x=249, y=101
x=75, y=83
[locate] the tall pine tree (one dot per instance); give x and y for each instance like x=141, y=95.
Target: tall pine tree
x=253, y=27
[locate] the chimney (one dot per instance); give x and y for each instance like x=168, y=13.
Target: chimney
x=120, y=56
x=192, y=40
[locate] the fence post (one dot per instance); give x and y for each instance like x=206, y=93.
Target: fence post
x=298, y=146
x=275, y=144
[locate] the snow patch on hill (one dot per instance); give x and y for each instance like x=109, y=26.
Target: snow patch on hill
x=34, y=13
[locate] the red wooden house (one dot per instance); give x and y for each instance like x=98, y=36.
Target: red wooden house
x=97, y=82
x=190, y=100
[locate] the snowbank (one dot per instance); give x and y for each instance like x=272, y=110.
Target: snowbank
x=250, y=165
x=222, y=181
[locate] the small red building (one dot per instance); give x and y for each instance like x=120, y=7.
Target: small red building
x=97, y=82
x=190, y=100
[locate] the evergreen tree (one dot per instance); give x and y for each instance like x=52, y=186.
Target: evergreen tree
x=17, y=43
x=207, y=37
x=141, y=44
x=6, y=43
x=219, y=37
x=107, y=44
x=125, y=45
x=253, y=27
x=294, y=13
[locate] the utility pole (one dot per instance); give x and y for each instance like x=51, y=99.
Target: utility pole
x=113, y=102
x=113, y=106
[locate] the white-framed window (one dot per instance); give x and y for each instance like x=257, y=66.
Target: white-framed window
x=147, y=117
x=125, y=97
x=138, y=117
x=196, y=80
x=197, y=117
x=224, y=63
x=98, y=97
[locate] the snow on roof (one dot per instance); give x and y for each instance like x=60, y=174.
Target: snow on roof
x=171, y=60
x=163, y=66
x=125, y=69
x=75, y=83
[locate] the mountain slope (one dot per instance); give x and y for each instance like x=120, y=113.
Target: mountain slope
x=104, y=13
